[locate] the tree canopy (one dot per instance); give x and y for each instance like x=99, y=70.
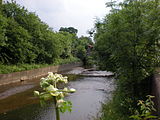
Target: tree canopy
x=24, y=38
x=127, y=43
x=71, y=30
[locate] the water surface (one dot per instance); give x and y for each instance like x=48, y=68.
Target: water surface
x=91, y=92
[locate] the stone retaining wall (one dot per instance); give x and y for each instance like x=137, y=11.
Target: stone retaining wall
x=30, y=74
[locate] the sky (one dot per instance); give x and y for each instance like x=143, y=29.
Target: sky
x=80, y=14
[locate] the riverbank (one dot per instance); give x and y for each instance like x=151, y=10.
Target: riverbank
x=31, y=74
x=5, y=69
x=121, y=107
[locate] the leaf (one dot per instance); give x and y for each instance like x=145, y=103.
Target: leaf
x=136, y=117
x=154, y=117
x=66, y=106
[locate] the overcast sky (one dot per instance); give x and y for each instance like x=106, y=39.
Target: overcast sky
x=79, y=14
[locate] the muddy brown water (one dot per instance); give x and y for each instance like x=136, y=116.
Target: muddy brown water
x=18, y=103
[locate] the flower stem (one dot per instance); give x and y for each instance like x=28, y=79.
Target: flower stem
x=56, y=109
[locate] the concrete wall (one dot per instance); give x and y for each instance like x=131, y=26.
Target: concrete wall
x=30, y=74
x=156, y=89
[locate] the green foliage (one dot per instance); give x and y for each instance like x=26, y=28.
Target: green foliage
x=51, y=91
x=146, y=109
x=127, y=44
x=66, y=61
x=121, y=107
x=3, y=25
x=25, y=39
x=66, y=40
x=66, y=106
x=18, y=49
x=110, y=112
x=127, y=37
x=22, y=67
x=3, y=38
x=89, y=61
x=19, y=67
x=71, y=30
x=80, y=47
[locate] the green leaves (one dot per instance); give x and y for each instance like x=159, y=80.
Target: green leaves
x=128, y=36
x=51, y=92
x=80, y=47
x=69, y=30
x=126, y=43
x=146, y=109
x=64, y=106
x=24, y=38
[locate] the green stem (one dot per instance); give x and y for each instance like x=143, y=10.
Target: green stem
x=56, y=109
x=55, y=85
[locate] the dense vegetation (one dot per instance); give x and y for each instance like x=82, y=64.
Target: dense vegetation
x=25, y=39
x=127, y=43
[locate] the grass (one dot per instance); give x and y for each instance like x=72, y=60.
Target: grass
x=112, y=110
x=4, y=69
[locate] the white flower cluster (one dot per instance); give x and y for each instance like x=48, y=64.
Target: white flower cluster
x=56, y=77
x=49, y=85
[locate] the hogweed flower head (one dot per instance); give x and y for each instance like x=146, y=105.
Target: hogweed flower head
x=49, y=85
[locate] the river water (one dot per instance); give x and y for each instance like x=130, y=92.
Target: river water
x=22, y=105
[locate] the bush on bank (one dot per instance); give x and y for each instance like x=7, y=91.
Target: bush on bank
x=127, y=43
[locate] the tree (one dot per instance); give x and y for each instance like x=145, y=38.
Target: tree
x=80, y=47
x=126, y=42
x=17, y=48
x=3, y=38
x=24, y=38
x=71, y=30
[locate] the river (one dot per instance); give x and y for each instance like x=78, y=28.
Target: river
x=22, y=105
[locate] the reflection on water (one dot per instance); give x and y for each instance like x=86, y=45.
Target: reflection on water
x=91, y=91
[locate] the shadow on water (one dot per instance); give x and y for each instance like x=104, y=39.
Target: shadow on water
x=91, y=92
